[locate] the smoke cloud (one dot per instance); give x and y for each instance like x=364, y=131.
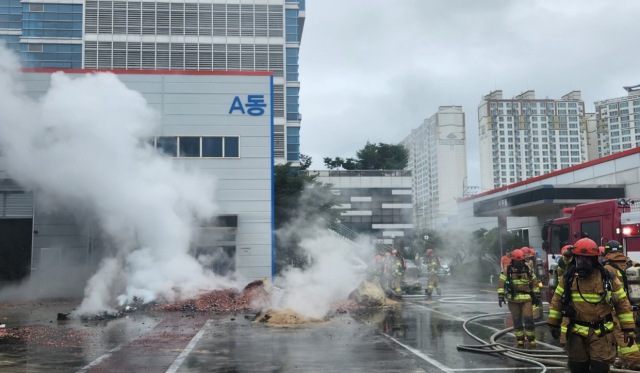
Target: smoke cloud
x=82, y=147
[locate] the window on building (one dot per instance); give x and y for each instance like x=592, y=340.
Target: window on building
x=624, y=104
x=52, y=20
x=231, y=147
x=11, y=41
x=60, y=56
x=293, y=143
x=293, y=105
x=189, y=147
x=10, y=14
x=167, y=146
x=212, y=147
x=292, y=25
x=292, y=64
x=613, y=106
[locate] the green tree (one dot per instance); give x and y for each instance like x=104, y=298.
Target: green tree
x=300, y=201
x=379, y=156
x=489, y=244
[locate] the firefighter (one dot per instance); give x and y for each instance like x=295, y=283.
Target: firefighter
x=615, y=261
x=387, y=277
x=530, y=261
x=505, y=261
x=433, y=264
x=587, y=295
x=564, y=260
x=398, y=272
x=520, y=286
x=376, y=270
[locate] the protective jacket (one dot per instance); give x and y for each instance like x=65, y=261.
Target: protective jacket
x=433, y=265
x=589, y=303
x=518, y=285
x=617, y=263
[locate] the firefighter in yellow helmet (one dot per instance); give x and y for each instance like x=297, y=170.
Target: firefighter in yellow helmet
x=520, y=286
x=398, y=272
x=587, y=296
x=615, y=261
x=432, y=265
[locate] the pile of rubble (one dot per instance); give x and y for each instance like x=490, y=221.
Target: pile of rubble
x=285, y=317
x=254, y=296
x=46, y=336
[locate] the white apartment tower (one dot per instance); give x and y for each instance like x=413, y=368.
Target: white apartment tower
x=619, y=122
x=525, y=137
x=438, y=162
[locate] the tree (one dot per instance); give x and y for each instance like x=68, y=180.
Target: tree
x=379, y=156
x=489, y=244
x=300, y=202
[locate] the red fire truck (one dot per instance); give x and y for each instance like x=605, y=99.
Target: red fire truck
x=615, y=219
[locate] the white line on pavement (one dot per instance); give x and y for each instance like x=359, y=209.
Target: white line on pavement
x=492, y=369
x=419, y=354
x=100, y=359
x=187, y=350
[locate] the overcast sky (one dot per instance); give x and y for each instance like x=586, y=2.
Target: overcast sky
x=375, y=69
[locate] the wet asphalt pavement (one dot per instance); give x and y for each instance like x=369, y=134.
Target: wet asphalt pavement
x=413, y=336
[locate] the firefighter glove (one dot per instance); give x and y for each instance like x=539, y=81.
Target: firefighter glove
x=534, y=299
x=500, y=300
x=629, y=337
x=555, y=331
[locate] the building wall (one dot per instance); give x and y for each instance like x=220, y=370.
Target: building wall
x=437, y=161
x=618, y=123
x=592, y=137
x=529, y=137
x=624, y=171
x=377, y=203
x=197, y=105
x=219, y=35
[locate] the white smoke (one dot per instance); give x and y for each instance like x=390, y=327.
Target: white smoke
x=82, y=146
x=335, y=271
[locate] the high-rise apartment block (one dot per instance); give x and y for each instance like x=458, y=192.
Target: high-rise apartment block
x=619, y=122
x=524, y=137
x=225, y=35
x=438, y=162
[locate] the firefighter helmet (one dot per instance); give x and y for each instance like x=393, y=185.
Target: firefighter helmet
x=601, y=250
x=564, y=249
x=517, y=255
x=394, y=252
x=612, y=246
x=526, y=251
x=430, y=251
x=378, y=258
x=586, y=247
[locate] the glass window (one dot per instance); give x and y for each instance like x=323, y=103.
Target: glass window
x=190, y=147
x=231, y=147
x=212, y=147
x=167, y=146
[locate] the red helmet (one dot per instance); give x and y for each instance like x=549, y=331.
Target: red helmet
x=565, y=248
x=387, y=254
x=378, y=258
x=430, y=251
x=601, y=249
x=586, y=247
x=394, y=252
x=525, y=250
x=517, y=255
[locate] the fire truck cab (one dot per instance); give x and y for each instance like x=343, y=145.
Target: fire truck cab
x=602, y=221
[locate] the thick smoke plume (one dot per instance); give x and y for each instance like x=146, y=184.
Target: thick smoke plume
x=82, y=147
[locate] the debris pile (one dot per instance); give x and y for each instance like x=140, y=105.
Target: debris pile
x=254, y=296
x=285, y=317
x=46, y=336
x=369, y=295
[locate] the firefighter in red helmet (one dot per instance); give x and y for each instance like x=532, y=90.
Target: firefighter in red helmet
x=587, y=295
x=520, y=287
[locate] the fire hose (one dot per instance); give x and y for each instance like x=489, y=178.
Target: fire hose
x=540, y=358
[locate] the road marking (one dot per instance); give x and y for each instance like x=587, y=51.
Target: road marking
x=100, y=359
x=485, y=326
x=509, y=369
x=419, y=354
x=187, y=350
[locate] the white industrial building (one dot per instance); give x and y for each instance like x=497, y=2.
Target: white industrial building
x=525, y=137
x=438, y=163
x=618, y=123
x=235, y=147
